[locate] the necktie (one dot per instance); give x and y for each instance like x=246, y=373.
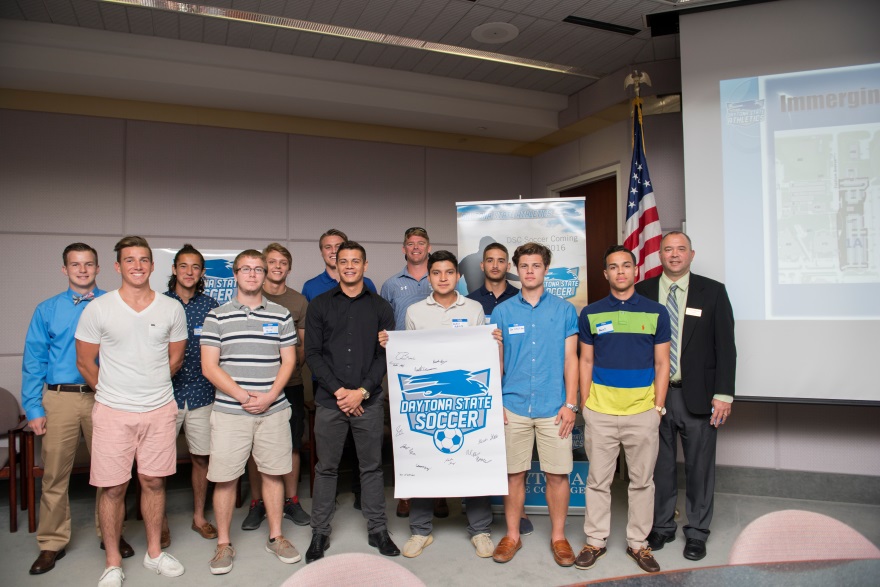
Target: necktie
x=672, y=308
x=77, y=299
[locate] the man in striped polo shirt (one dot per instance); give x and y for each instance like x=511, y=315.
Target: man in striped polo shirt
x=624, y=373
x=248, y=353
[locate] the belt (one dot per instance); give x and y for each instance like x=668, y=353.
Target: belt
x=675, y=384
x=71, y=387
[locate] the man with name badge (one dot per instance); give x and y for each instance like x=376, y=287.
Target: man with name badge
x=402, y=290
x=192, y=391
x=624, y=370
x=343, y=352
x=497, y=289
x=248, y=353
x=445, y=308
x=64, y=410
x=140, y=338
x=539, y=392
x=701, y=389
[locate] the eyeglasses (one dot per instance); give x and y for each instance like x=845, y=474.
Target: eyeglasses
x=247, y=270
x=415, y=229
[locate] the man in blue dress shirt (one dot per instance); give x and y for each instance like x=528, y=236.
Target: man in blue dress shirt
x=64, y=409
x=193, y=392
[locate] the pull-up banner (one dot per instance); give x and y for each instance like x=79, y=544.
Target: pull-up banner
x=447, y=423
x=557, y=223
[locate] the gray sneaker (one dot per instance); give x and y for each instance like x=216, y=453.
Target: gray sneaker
x=295, y=513
x=222, y=561
x=284, y=550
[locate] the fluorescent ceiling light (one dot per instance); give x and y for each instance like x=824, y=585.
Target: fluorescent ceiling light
x=305, y=26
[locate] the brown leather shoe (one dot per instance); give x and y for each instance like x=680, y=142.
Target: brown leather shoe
x=441, y=508
x=46, y=561
x=562, y=553
x=402, y=508
x=506, y=549
x=644, y=559
x=588, y=557
x=125, y=549
x=207, y=531
x=165, y=538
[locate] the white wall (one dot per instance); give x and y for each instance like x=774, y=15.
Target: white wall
x=67, y=178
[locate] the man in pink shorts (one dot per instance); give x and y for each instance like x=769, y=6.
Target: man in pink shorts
x=138, y=338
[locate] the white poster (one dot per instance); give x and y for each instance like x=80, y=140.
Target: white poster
x=446, y=416
x=219, y=279
x=557, y=223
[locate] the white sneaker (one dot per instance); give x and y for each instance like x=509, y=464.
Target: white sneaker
x=112, y=577
x=165, y=565
x=483, y=544
x=416, y=544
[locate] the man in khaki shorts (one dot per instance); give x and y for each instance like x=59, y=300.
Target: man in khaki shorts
x=139, y=337
x=539, y=392
x=248, y=353
x=193, y=393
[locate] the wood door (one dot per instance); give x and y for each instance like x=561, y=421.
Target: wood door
x=601, y=214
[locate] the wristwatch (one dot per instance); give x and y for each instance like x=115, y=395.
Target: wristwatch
x=365, y=393
x=660, y=410
x=572, y=407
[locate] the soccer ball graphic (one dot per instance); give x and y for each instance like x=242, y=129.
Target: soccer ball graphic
x=449, y=440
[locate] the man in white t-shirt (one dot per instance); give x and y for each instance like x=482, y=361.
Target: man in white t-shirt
x=138, y=339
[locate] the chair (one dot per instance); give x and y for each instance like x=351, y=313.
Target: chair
x=33, y=468
x=794, y=535
x=11, y=423
x=370, y=571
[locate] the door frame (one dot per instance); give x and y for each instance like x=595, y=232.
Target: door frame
x=554, y=189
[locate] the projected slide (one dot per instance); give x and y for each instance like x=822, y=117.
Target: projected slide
x=801, y=160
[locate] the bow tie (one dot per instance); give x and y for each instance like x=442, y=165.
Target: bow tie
x=88, y=297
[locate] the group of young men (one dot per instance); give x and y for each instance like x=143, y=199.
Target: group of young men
x=128, y=368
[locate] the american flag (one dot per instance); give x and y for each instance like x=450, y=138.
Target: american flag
x=643, y=233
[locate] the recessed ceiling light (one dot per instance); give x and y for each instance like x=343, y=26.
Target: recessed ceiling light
x=495, y=33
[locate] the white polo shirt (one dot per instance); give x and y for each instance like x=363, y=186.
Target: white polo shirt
x=428, y=314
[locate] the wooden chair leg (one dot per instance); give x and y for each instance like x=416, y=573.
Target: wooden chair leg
x=13, y=497
x=31, y=484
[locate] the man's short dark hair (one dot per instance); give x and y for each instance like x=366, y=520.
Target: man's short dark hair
x=332, y=232
x=80, y=247
x=439, y=256
x=532, y=249
x=496, y=246
x=250, y=254
x=673, y=233
x=131, y=241
x=618, y=249
x=188, y=249
x=352, y=246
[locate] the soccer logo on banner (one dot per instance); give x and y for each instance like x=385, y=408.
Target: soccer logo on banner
x=446, y=406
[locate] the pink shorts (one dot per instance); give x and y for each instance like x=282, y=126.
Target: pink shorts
x=119, y=437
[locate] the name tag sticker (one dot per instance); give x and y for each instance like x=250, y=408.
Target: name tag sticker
x=459, y=322
x=270, y=328
x=693, y=312
x=488, y=319
x=197, y=331
x=516, y=329
x=604, y=327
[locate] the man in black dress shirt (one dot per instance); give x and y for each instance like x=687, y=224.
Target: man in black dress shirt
x=343, y=353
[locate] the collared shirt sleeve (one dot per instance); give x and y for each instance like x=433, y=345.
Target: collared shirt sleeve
x=35, y=365
x=664, y=330
x=585, y=333
x=287, y=332
x=314, y=345
x=210, y=330
x=571, y=320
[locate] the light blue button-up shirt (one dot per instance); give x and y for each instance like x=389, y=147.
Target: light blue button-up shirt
x=50, y=349
x=534, y=353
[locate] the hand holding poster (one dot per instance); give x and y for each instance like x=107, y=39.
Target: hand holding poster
x=447, y=424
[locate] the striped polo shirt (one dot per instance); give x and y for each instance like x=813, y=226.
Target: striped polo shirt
x=623, y=334
x=250, y=343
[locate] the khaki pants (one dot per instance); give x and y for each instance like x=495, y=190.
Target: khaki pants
x=640, y=438
x=67, y=413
